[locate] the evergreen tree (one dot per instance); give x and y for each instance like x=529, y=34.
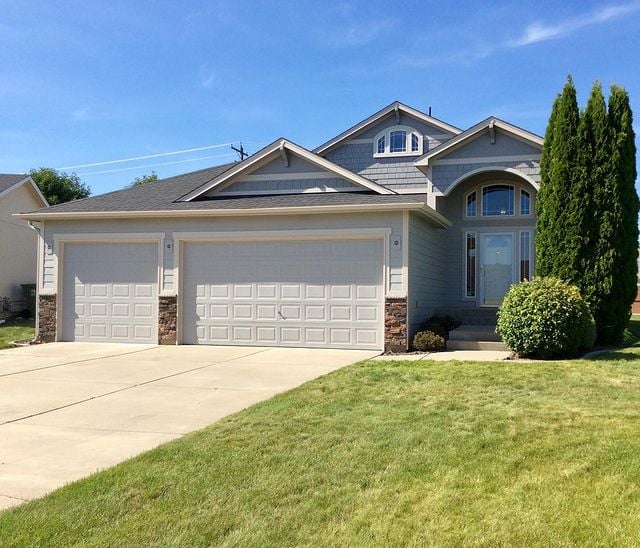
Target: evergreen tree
x=618, y=241
x=556, y=250
x=594, y=150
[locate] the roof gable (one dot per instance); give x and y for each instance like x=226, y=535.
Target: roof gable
x=11, y=182
x=273, y=162
x=488, y=127
x=394, y=109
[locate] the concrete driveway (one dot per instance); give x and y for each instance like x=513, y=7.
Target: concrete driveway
x=69, y=409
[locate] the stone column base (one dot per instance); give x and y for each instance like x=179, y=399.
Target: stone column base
x=395, y=325
x=46, y=319
x=168, y=319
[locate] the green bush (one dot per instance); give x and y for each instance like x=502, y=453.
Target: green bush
x=545, y=318
x=428, y=341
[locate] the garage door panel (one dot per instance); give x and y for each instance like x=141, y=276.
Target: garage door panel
x=284, y=293
x=110, y=292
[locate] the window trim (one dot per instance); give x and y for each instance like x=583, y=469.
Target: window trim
x=386, y=133
x=465, y=278
x=517, y=201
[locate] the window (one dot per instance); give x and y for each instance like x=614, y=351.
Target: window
x=415, y=142
x=470, y=260
x=525, y=256
x=471, y=204
x=525, y=202
x=497, y=200
x=398, y=140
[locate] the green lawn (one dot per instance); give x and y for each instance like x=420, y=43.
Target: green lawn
x=382, y=453
x=15, y=331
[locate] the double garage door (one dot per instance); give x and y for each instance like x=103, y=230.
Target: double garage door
x=310, y=293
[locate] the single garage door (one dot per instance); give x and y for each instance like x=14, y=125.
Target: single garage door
x=110, y=292
x=314, y=293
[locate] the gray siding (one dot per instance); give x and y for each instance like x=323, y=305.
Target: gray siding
x=426, y=271
x=396, y=173
x=481, y=147
x=292, y=185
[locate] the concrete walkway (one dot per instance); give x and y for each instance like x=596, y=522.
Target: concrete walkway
x=70, y=409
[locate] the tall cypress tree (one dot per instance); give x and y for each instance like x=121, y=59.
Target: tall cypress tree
x=590, y=203
x=556, y=237
x=618, y=239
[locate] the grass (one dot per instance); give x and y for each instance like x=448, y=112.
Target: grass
x=15, y=331
x=382, y=453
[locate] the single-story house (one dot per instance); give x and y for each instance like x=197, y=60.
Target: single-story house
x=351, y=245
x=18, y=242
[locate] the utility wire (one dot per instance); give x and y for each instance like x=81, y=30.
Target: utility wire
x=146, y=157
x=155, y=165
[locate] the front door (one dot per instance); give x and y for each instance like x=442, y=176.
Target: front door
x=496, y=267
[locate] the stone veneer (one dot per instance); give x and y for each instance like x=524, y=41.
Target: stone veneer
x=167, y=319
x=46, y=318
x=395, y=325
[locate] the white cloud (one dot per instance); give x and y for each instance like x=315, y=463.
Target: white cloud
x=540, y=32
x=358, y=34
x=207, y=76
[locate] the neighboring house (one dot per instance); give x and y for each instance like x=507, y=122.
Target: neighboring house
x=351, y=245
x=18, y=242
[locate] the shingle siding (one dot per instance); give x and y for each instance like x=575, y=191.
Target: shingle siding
x=427, y=288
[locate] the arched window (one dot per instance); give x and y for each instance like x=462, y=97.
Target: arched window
x=398, y=141
x=497, y=200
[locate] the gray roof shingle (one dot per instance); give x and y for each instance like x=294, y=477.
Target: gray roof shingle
x=7, y=180
x=164, y=194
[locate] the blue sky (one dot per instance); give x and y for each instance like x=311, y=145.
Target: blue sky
x=89, y=82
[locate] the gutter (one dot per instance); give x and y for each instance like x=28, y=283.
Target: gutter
x=420, y=207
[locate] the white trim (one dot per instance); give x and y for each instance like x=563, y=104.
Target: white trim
x=473, y=131
x=286, y=176
x=392, y=108
x=59, y=242
x=465, y=235
x=473, y=172
x=421, y=207
x=24, y=181
x=182, y=238
x=405, y=254
x=465, y=202
x=487, y=160
x=274, y=149
x=531, y=204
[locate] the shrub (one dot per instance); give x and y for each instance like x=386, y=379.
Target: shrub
x=440, y=325
x=545, y=318
x=428, y=341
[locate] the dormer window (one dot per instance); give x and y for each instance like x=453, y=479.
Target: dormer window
x=398, y=141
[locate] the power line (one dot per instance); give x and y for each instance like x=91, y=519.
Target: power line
x=147, y=156
x=155, y=165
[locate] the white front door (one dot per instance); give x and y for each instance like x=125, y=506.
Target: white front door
x=313, y=293
x=497, y=266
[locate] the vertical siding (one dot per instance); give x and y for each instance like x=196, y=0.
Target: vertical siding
x=426, y=271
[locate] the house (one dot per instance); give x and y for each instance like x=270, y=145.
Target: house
x=18, y=242
x=351, y=245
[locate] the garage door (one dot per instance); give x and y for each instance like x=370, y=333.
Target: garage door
x=110, y=292
x=295, y=293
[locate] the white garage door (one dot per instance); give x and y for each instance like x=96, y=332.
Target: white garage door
x=292, y=293
x=110, y=292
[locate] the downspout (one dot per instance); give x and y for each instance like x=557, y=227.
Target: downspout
x=37, y=318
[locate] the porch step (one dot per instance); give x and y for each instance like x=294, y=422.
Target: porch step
x=475, y=337
x=476, y=345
